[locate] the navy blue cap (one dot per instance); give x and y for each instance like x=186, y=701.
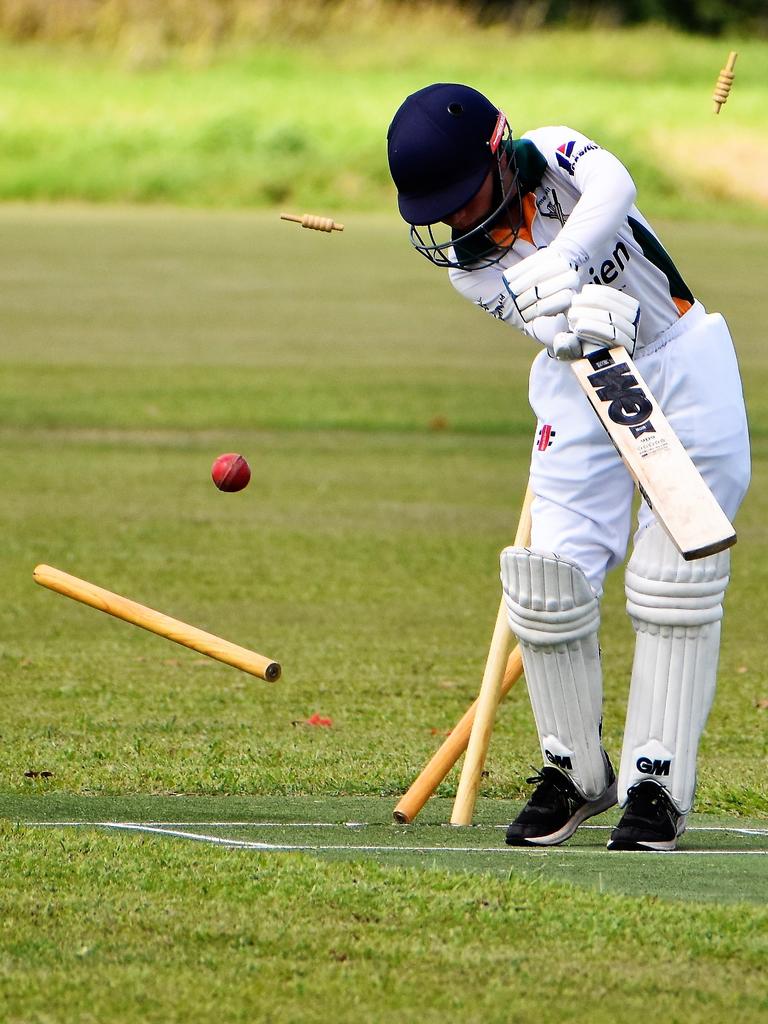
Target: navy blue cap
x=439, y=147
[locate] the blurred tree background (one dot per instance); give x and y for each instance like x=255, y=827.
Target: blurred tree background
x=179, y=22
x=706, y=16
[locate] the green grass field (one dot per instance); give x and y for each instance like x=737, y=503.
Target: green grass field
x=388, y=430
x=267, y=123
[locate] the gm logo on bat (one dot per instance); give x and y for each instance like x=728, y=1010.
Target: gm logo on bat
x=629, y=406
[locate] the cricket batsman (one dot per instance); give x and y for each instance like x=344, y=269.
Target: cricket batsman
x=543, y=234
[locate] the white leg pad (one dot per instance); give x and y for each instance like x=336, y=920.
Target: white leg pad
x=555, y=615
x=676, y=608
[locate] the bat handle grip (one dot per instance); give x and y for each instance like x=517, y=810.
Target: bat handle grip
x=591, y=348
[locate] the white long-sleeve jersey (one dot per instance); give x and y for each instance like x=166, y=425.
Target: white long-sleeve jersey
x=578, y=199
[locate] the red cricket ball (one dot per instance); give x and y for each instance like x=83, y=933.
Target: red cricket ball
x=230, y=472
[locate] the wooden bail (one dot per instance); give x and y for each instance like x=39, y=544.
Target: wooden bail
x=724, y=82
x=309, y=220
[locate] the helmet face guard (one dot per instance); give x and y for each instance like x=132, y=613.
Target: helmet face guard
x=485, y=243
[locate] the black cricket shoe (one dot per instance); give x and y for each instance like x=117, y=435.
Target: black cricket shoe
x=650, y=820
x=556, y=809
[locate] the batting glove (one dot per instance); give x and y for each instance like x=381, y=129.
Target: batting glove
x=541, y=285
x=602, y=317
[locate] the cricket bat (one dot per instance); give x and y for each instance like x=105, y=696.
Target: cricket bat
x=656, y=459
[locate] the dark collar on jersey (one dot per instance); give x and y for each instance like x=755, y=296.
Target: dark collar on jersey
x=530, y=163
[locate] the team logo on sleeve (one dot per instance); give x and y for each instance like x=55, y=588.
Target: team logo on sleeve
x=564, y=155
x=567, y=159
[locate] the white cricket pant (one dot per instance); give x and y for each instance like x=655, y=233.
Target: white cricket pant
x=583, y=504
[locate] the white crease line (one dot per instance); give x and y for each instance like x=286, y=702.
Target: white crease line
x=361, y=824
x=245, y=844
x=231, y=824
x=696, y=828
x=224, y=824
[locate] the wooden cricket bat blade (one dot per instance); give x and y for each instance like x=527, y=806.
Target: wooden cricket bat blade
x=656, y=459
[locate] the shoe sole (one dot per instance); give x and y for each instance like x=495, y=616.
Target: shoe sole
x=627, y=846
x=589, y=810
x=648, y=846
